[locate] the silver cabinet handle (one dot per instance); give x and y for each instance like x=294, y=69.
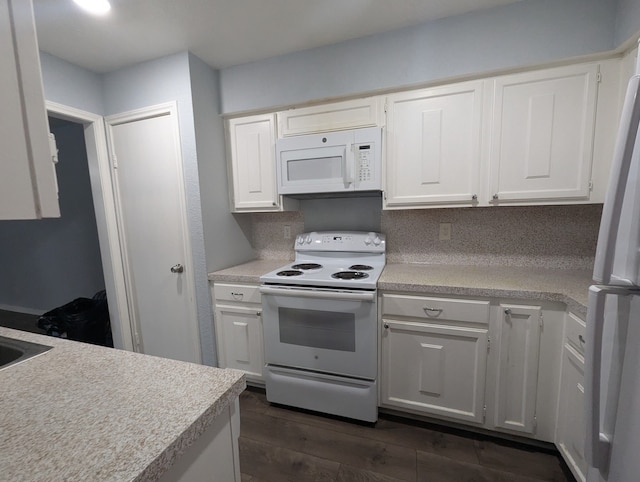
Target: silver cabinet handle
x=178, y=268
x=432, y=311
x=237, y=296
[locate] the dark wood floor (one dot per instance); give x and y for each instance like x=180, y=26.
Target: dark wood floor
x=280, y=444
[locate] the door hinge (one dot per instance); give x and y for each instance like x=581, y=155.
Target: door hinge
x=484, y=414
x=541, y=320
x=385, y=107
x=114, y=161
x=136, y=339
x=535, y=423
x=590, y=185
x=598, y=76
x=53, y=148
x=488, y=344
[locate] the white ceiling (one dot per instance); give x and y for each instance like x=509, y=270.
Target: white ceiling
x=223, y=32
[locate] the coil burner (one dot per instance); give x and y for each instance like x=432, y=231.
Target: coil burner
x=349, y=275
x=289, y=272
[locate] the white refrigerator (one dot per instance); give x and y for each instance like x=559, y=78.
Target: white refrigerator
x=612, y=354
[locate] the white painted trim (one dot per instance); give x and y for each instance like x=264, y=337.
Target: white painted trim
x=170, y=109
x=104, y=206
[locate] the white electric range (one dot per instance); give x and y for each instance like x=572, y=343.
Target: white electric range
x=320, y=324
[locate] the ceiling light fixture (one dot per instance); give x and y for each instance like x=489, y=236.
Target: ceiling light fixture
x=97, y=7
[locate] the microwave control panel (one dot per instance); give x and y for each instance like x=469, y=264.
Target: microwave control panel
x=364, y=158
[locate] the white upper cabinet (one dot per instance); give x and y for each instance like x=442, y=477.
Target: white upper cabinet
x=542, y=135
x=252, y=159
x=350, y=114
x=28, y=186
x=434, y=146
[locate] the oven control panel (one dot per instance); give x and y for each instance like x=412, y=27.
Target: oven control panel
x=357, y=241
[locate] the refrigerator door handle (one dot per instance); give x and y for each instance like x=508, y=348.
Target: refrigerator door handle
x=598, y=443
x=621, y=163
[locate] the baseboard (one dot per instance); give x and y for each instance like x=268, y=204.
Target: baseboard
x=21, y=309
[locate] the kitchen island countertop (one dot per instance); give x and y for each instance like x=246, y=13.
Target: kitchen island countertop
x=81, y=412
x=560, y=285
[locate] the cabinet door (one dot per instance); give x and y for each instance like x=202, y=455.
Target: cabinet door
x=570, y=435
x=28, y=186
x=542, y=135
x=350, y=114
x=517, y=377
x=239, y=337
x=434, y=369
x=253, y=164
x=434, y=145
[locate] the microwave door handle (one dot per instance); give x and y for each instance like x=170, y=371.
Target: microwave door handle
x=348, y=164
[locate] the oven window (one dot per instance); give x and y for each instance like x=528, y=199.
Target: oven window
x=318, y=329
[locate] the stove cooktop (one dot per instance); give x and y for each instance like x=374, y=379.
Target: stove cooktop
x=347, y=259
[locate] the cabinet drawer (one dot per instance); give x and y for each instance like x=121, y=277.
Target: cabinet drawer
x=430, y=308
x=238, y=293
x=574, y=331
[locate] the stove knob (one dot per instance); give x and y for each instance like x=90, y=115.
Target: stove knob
x=299, y=239
x=367, y=240
x=377, y=241
x=308, y=239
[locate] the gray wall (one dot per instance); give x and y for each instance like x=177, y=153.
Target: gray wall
x=627, y=20
x=70, y=85
x=47, y=263
x=226, y=236
x=224, y=240
x=529, y=32
x=155, y=82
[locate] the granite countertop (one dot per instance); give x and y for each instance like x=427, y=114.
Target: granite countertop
x=565, y=286
x=247, y=272
x=81, y=412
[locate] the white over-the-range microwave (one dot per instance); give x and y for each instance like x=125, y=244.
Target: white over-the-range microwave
x=332, y=162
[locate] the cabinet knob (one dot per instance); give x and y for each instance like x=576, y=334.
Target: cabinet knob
x=474, y=197
x=178, y=268
x=259, y=313
x=274, y=203
x=386, y=326
x=507, y=312
x=581, y=338
x=495, y=197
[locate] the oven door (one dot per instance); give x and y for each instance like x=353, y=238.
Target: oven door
x=321, y=330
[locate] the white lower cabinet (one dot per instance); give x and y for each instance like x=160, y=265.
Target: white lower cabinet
x=487, y=363
x=517, y=354
x=434, y=356
x=238, y=323
x=570, y=430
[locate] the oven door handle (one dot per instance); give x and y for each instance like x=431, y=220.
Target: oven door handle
x=332, y=295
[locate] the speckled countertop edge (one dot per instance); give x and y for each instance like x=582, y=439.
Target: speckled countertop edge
x=83, y=412
x=556, y=285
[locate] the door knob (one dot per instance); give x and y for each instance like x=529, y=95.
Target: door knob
x=178, y=268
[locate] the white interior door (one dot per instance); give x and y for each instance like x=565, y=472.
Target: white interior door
x=147, y=167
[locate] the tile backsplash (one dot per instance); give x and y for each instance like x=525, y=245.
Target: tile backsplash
x=561, y=237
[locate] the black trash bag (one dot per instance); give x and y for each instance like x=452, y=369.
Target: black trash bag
x=83, y=319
